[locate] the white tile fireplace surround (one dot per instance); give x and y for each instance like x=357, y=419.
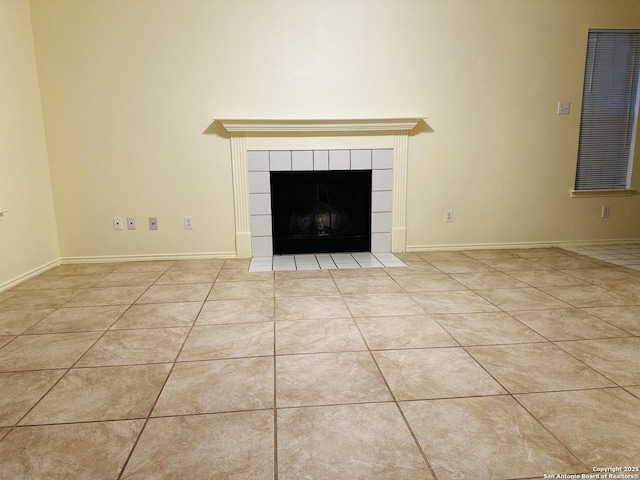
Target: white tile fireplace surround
x=261, y=146
x=261, y=163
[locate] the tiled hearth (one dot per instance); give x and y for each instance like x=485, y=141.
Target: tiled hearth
x=325, y=261
x=492, y=364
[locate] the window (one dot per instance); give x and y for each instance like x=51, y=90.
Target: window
x=609, y=110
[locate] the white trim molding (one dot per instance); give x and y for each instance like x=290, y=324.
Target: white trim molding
x=30, y=274
x=251, y=134
x=622, y=192
x=520, y=245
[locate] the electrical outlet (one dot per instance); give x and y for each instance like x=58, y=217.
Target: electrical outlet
x=153, y=223
x=606, y=210
x=117, y=223
x=448, y=215
x=188, y=223
x=131, y=223
x=564, y=108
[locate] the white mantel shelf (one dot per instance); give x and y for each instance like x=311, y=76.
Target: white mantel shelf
x=317, y=126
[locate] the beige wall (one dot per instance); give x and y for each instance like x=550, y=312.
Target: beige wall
x=28, y=239
x=130, y=86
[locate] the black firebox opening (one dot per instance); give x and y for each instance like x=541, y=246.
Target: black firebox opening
x=320, y=212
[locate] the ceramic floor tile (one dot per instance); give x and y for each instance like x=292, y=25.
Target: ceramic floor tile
x=445, y=256
x=357, y=272
x=60, y=282
x=305, y=287
x=567, y=262
x=389, y=333
x=106, y=296
x=51, y=451
x=145, y=266
x=129, y=347
x=347, y=441
x=514, y=265
x=14, y=322
x=382, y=305
x=33, y=352
x=466, y=265
x=159, y=315
x=237, y=263
x=226, y=370
x=486, y=280
x=7, y=293
x=328, y=378
x=547, y=278
x=453, y=302
x=567, y=324
x=79, y=319
x=315, y=336
x=625, y=318
x=539, y=252
x=195, y=264
x=237, y=311
x=487, y=329
x=536, y=367
x=82, y=269
x=373, y=284
x=38, y=299
x=589, y=296
x=104, y=393
x=615, y=358
x=123, y=279
x=428, y=283
x=408, y=257
x=22, y=390
x=237, y=446
x=238, y=290
x=521, y=299
x=462, y=440
x=634, y=391
x=301, y=308
x=603, y=275
x=212, y=342
x=489, y=254
x=240, y=275
x=301, y=274
x=629, y=290
x=218, y=386
x=599, y=426
x=172, y=276
x=196, y=292
x=434, y=373
x=412, y=268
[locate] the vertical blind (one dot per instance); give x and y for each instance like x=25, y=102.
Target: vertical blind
x=608, y=119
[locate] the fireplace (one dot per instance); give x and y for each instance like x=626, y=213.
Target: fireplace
x=259, y=146
x=319, y=212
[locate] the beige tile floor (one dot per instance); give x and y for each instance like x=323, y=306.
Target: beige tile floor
x=494, y=364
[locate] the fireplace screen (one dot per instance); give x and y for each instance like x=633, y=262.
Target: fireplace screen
x=316, y=212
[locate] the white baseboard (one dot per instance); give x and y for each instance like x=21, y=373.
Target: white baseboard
x=151, y=257
x=30, y=274
x=514, y=245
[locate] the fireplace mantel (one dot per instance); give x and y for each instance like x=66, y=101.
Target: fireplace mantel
x=310, y=134
x=362, y=125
